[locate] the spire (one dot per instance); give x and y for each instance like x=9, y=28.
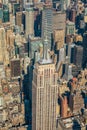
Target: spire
x=46, y=58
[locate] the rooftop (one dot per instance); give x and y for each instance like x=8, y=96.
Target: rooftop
x=72, y=123
x=45, y=61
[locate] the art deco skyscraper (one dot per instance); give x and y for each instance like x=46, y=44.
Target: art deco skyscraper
x=29, y=20
x=44, y=94
x=47, y=22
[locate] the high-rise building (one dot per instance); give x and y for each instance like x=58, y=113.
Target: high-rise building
x=78, y=56
x=76, y=101
x=70, y=28
x=11, y=39
x=24, y=3
x=29, y=19
x=63, y=5
x=5, y=15
x=47, y=23
x=1, y=14
x=59, y=20
x=73, y=15
x=4, y=57
x=59, y=38
x=62, y=55
x=15, y=67
x=84, y=49
x=69, y=39
x=71, y=52
x=37, y=22
x=75, y=70
x=19, y=18
x=64, y=107
x=44, y=94
x=16, y=7
x=68, y=72
x=34, y=45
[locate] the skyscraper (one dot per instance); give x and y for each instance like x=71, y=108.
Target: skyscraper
x=47, y=22
x=59, y=38
x=70, y=28
x=15, y=67
x=64, y=106
x=68, y=72
x=78, y=56
x=59, y=20
x=44, y=94
x=34, y=45
x=71, y=52
x=19, y=18
x=84, y=49
x=29, y=20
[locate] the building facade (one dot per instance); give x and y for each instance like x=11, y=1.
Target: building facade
x=44, y=97
x=47, y=23
x=29, y=19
